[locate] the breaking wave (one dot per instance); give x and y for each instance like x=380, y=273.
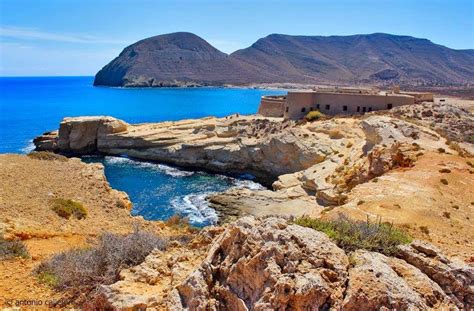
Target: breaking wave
x=196, y=208
x=165, y=169
x=28, y=148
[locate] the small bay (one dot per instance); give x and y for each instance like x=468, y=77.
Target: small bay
x=33, y=105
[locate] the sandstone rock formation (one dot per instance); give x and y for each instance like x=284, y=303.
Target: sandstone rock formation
x=267, y=263
x=381, y=164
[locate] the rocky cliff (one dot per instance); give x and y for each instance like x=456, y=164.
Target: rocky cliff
x=387, y=164
x=184, y=59
x=271, y=264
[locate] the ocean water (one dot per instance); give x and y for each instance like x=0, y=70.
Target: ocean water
x=31, y=106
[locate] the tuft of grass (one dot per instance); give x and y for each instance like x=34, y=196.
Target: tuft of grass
x=441, y=150
x=444, y=181
x=48, y=278
x=81, y=272
x=351, y=234
x=314, y=116
x=445, y=170
x=46, y=155
x=12, y=249
x=447, y=215
x=67, y=208
x=360, y=202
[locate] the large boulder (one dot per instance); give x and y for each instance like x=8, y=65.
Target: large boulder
x=376, y=280
x=267, y=264
x=455, y=278
x=80, y=135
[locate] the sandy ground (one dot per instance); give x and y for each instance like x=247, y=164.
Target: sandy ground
x=416, y=199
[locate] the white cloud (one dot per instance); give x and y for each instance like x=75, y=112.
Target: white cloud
x=36, y=34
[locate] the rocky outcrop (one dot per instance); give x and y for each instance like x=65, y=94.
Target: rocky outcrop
x=262, y=146
x=376, y=281
x=267, y=264
x=80, y=135
x=270, y=264
x=456, y=123
x=456, y=279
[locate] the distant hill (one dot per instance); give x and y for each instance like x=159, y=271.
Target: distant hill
x=182, y=58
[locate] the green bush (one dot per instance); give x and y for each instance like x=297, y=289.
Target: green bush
x=11, y=249
x=314, y=115
x=67, y=208
x=46, y=155
x=351, y=234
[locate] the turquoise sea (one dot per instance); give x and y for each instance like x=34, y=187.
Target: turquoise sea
x=33, y=105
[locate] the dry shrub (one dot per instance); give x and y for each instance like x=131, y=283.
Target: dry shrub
x=46, y=155
x=81, y=272
x=314, y=116
x=444, y=181
x=335, y=134
x=11, y=249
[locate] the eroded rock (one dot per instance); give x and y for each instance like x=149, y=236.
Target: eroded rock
x=264, y=264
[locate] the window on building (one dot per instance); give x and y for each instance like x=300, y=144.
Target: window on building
x=287, y=109
x=370, y=109
x=358, y=108
x=328, y=107
x=317, y=106
x=303, y=109
x=389, y=106
x=364, y=109
x=344, y=108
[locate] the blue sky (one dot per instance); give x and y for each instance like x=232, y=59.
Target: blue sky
x=78, y=37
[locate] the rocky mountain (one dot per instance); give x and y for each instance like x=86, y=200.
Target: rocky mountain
x=177, y=59
x=184, y=59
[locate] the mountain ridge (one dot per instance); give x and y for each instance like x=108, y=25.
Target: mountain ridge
x=185, y=59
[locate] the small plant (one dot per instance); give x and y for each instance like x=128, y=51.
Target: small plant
x=447, y=215
x=46, y=155
x=445, y=170
x=441, y=150
x=349, y=145
x=11, y=249
x=335, y=134
x=314, y=116
x=456, y=206
x=444, y=181
x=351, y=234
x=470, y=163
x=425, y=230
x=67, y=208
x=360, y=202
x=48, y=278
x=82, y=271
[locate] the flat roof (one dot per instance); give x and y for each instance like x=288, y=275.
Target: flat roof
x=348, y=93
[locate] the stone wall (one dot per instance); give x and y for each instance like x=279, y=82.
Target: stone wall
x=272, y=106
